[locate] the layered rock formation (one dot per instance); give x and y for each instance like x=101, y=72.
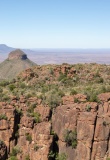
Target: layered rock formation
x=90, y=120
x=92, y=126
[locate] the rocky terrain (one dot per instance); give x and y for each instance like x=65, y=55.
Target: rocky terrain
x=56, y=112
x=16, y=62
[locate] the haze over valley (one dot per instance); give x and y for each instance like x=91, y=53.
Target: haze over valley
x=59, y=56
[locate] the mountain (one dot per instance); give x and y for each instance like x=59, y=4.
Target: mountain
x=16, y=62
x=5, y=49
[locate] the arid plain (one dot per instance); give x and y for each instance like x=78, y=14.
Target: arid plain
x=59, y=56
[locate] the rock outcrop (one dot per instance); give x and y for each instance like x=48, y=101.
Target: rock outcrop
x=90, y=120
x=56, y=113
x=92, y=123
x=17, y=54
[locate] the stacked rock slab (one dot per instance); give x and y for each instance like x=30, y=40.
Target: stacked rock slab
x=92, y=127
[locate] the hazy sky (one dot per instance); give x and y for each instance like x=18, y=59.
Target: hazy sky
x=55, y=23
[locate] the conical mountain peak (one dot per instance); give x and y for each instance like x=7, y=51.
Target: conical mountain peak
x=17, y=54
x=16, y=62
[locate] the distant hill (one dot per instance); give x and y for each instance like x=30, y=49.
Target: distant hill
x=5, y=49
x=16, y=62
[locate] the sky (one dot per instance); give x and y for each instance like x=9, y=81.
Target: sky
x=55, y=23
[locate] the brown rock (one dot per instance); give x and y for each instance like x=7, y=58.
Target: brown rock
x=4, y=124
x=99, y=150
x=17, y=54
x=3, y=150
x=44, y=112
x=104, y=97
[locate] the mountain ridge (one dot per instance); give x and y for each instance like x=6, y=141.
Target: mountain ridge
x=5, y=49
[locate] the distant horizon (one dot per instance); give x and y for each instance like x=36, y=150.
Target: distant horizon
x=56, y=48
x=59, y=56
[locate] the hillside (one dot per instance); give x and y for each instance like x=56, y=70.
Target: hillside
x=56, y=112
x=16, y=62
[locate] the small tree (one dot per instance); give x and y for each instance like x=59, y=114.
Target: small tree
x=70, y=138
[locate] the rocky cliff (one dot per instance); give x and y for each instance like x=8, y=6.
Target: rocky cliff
x=55, y=125
x=42, y=137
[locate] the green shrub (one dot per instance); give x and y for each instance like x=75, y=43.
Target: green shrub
x=4, y=83
x=97, y=74
x=45, y=89
x=73, y=92
x=62, y=76
x=13, y=158
x=31, y=107
x=34, y=105
x=53, y=99
x=17, y=134
x=18, y=111
x=108, y=158
x=1, y=143
x=28, y=137
x=5, y=98
x=70, y=138
x=3, y=116
x=51, y=154
x=22, y=85
x=61, y=93
x=88, y=108
x=11, y=87
x=51, y=71
x=99, y=80
x=29, y=95
x=36, y=147
x=1, y=90
x=76, y=79
x=92, y=96
x=36, y=117
x=15, y=150
x=76, y=100
x=27, y=157
x=104, y=123
x=61, y=156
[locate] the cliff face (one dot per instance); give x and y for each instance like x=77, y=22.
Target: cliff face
x=17, y=128
x=92, y=124
x=36, y=138
x=58, y=113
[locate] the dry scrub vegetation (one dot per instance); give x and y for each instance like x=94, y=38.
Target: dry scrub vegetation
x=51, y=82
